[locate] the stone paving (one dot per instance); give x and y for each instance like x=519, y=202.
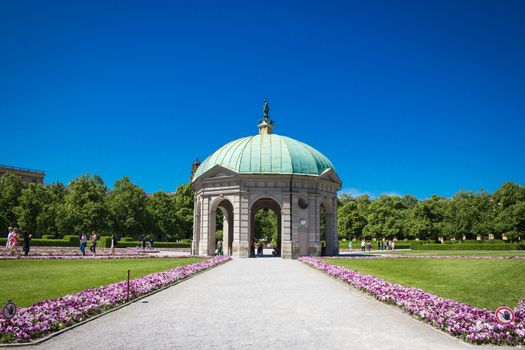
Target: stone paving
x=257, y=303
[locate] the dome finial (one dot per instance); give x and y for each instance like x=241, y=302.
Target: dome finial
x=266, y=124
x=266, y=110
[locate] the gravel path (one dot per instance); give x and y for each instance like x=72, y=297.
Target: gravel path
x=257, y=303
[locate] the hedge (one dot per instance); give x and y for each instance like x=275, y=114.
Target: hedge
x=122, y=244
x=477, y=246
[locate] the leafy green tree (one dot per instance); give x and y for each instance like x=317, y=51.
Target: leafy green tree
x=84, y=207
x=385, y=215
x=266, y=225
x=10, y=191
x=48, y=218
x=184, y=212
x=126, y=204
x=162, y=211
x=30, y=205
x=426, y=218
x=351, y=219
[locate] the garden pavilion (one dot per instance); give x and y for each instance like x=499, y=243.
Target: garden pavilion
x=266, y=171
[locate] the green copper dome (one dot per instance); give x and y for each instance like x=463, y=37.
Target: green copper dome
x=267, y=154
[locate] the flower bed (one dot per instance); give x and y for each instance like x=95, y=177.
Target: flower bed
x=476, y=325
x=53, y=315
x=74, y=253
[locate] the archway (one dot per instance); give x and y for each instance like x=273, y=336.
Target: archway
x=265, y=227
x=225, y=208
x=327, y=228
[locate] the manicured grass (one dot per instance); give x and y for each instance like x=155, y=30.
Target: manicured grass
x=486, y=283
x=29, y=281
x=455, y=252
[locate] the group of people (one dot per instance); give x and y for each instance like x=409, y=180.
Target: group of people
x=386, y=245
x=93, y=246
x=151, y=242
x=382, y=245
x=13, y=241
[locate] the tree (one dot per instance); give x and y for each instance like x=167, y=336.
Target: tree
x=126, y=204
x=162, y=212
x=184, y=212
x=10, y=190
x=266, y=225
x=351, y=219
x=84, y=207
x=426, y=218
x=30, y=205
x=385, y=216
x=48, y=218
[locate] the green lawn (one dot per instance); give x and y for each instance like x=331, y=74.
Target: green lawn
x=29, y=281
x=487, y=283
x=455, y=252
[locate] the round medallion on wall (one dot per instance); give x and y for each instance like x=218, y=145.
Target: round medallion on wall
x=303, y=203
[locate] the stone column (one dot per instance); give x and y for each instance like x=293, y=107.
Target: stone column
x=241, y=234
x=286, y=228
x=196, y=226
x=205, y=214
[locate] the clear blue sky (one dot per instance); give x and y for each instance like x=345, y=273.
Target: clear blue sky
x=407, y=97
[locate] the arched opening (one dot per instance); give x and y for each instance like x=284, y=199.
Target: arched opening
x=265, y=228
x=221, y=228
x=322, y=228
x=328, y=236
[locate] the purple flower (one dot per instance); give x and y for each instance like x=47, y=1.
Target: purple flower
x=476, y=325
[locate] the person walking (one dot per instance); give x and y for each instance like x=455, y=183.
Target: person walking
x=113, y=244
x=27, y=238
x=93, y=246
x=144, y=242
x=369, y=246
x=151, y=242
x=14, y=243
x=219, y=248
x=83, y=243
x=9, y=237
x=363, y=245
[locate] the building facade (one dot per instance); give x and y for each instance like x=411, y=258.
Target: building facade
x=27, y=175
x=266, y=171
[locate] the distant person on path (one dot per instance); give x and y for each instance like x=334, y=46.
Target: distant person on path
x=14, y=243
x=252, y=248
x=113, y=244
x=363, y=245
x=143, y=242
x=83, y=243
x=151, y=246
x=9, y=237
x=350, y=245
x=219, y=248
x=27, y=239
x=93, y=246
x=369, y=246
x=393, y=245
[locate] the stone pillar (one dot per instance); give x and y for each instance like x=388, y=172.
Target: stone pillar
x=286, y=228
x=241, y=234
x=205, y=214
x=196, y=226
x=225, y=231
